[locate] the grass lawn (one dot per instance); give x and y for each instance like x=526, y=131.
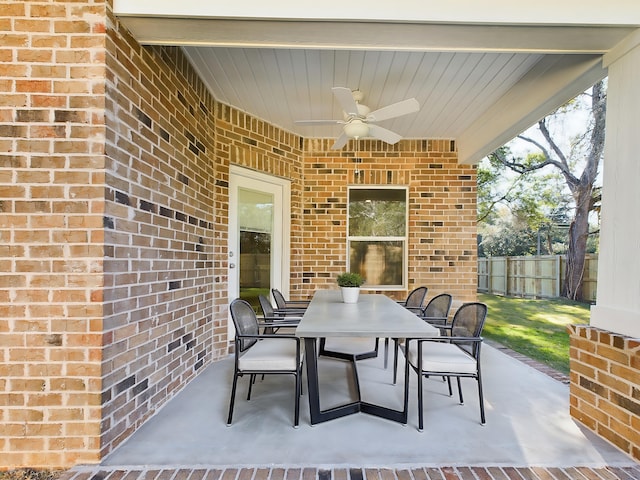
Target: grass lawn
x=535, y=328
x=251, y=295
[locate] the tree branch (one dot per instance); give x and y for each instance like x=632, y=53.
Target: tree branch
x=498, y=200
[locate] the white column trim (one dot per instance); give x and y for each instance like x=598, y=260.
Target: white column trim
x=621, y=49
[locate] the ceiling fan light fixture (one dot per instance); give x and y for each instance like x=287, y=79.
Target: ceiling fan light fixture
x=356, y=129
x=360, y=122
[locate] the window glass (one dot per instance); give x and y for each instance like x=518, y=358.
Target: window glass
x=377, y=235
x=377, y=212
x=255, y=221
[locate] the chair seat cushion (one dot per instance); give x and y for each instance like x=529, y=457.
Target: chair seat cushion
x=271, y=355
x=442, y=357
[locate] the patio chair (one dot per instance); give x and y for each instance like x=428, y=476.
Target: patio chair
x=415, y=299
x=292, y=307
x=457, y=355
x=273, y=321
x=436, y=312
x=267, y=354
x=413, y=303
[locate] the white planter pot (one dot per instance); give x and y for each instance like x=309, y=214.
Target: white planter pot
x=350, y=294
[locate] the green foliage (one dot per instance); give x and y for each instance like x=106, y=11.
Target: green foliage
x=513, y=211
x=350, y=279
x=556, y=174
x=507, y=237
x=534, y=327
x=377, y=218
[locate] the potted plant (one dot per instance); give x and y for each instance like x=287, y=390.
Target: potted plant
x=349, y=283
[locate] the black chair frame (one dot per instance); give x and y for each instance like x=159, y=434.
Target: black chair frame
x=243, y=342
x=477, y=375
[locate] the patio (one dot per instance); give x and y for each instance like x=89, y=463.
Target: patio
x=528, y=425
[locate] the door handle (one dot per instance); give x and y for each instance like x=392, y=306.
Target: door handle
x=232, y=265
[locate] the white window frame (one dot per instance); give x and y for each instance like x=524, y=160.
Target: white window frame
x=404, y=239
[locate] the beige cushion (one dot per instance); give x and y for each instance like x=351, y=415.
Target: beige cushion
x=442, y=357
x=271, y=354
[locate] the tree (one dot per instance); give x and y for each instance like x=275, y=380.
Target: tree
x=520, y=214
x=508, y=235
x=579, y=166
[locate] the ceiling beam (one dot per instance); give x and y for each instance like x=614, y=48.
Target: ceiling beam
x=372, y=36
x=543, y=89
x=488, y=12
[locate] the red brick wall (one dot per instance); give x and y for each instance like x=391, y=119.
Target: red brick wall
x=254, y=144
x=52, y=131
x=159, y=322
x=114, y=179
x=605, y=385
x=442, y=212
x=169, y=147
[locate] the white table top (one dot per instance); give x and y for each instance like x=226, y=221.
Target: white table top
x=374, y=315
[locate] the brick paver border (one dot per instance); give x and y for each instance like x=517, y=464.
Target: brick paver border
x=310, y=473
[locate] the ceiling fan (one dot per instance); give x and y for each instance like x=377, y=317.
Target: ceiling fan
x=359, y=121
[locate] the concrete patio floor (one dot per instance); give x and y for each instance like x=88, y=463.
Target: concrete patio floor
x=528, y=424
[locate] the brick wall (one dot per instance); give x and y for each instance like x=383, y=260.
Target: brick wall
x=114, y=200
x=254, y=144
x=605, y=385
x=160, y=288
x=51, y=208
x=169, y=146
x=442, y=211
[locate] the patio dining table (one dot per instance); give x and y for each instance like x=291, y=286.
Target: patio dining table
x=375, y=316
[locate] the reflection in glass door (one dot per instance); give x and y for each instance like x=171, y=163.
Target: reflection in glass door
x=255, y=228
x=259, y=225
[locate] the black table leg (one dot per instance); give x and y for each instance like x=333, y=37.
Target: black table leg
x=318, y=416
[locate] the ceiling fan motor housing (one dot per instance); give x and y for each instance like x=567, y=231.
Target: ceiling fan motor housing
x=359, y=121
x=363, y=111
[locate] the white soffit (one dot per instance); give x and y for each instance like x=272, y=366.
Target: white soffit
x=481, y=75
x=549, y=12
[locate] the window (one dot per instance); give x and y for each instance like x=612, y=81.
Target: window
x=377, y=235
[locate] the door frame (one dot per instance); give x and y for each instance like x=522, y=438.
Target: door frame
x=280, y=272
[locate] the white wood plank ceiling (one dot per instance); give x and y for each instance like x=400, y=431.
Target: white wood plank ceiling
x=288, y=85
x=482, y=72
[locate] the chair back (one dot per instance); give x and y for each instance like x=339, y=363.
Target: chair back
x=281, y=302
x=267, y=308
x=246, y=323
x=415, y=299
x=438, y=307
x=468, y=321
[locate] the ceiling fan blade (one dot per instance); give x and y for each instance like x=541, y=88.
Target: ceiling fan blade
x=319, y=122
x=345, y=99
x=341, y=141
x=394, y=110
x=383, y=134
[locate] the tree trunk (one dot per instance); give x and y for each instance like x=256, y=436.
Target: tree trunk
x=581, y=187
x=578, y=234
x=582, y=192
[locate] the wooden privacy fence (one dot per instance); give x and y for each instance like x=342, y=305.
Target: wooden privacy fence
x=532, y=276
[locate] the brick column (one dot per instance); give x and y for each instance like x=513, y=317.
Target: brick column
x=52, y=135
x=605, y=385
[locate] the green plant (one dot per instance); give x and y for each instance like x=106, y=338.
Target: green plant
x=350, y=279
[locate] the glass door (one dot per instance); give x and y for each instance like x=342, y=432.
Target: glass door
x=255, y=232
x=258, y=235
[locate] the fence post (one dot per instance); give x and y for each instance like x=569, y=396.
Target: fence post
x=506, y=276
x=558, y=267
